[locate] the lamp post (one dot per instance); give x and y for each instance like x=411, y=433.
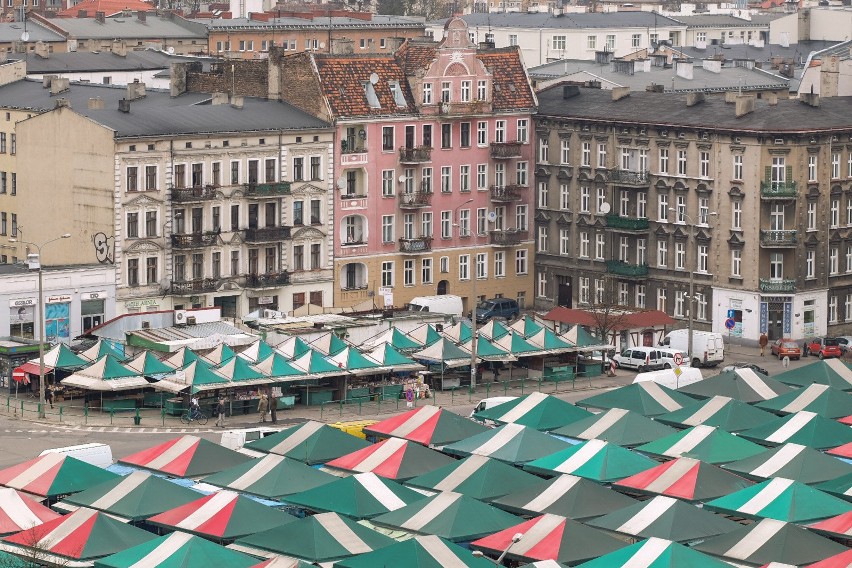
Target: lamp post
x=41, y=410
x=472, y=269
x=499, y=562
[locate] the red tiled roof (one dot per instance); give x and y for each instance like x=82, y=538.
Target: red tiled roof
x=635, y=320
x=415, y=55
x=108, y=7
x=343, y=79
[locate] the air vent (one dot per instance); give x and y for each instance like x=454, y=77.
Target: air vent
x=779, y=141
x=190, y=320
x=146, y=325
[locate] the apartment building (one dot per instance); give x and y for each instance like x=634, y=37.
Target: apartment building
x=751, y=199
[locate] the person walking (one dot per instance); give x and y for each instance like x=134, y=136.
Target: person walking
x=48, y=394
x=273, y=408
x=763, y=342
x=220, y=412
x=263, y=406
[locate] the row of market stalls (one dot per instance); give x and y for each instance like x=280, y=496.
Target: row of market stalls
x=737, y=470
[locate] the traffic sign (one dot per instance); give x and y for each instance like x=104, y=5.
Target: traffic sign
x=732, y=313
x=678, y=359
x=730, y=323
x=678, y=372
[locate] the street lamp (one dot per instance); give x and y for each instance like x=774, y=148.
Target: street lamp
x=41, y=409
x=515, y=539
x=472, y=270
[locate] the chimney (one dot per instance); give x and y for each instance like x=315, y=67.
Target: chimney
x=237, y=101
x=82, y=13
x=711, y=65
x=394, y=43
x=142, y=15
x=744, y=105
x=693, y=99
x=119, y=48
x=655, y=88
x=731, y=96
x=123, y=105
x=177, y=78
x=59, y=85
x=42, y=50
x=619, y=93
x=100, y=17
x=46, y=80
x=683, y=69
x=829, y=73
x=603, y=57
x=219, y=99
x=810, y=99
x=569, y=91
x=61, y=102
x=96, y=103
x=771, y=98
x=342, y=46
x=135, y=90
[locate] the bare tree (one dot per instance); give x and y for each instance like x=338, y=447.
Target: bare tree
x=34, y=552
x=609, y=316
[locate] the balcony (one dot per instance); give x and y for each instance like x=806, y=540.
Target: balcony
x=777, y=190
x=506, y=150
x=506, y=193
x=195, y=286
x=778, y=239
x=198, y=193
x=264, y=190
x=415, y=199
x=195, y=240
x=620, y=223
x=776, y=286
x=266, y=234
x=629, y=177
x=268, y=280
x=508, y=238
x=621, y=268
x=415, y=246
x=418, y=155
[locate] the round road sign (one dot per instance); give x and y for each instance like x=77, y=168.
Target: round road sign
x=678, y=359
x=730, y=323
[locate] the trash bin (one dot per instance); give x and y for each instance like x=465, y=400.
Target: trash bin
x=137, y=420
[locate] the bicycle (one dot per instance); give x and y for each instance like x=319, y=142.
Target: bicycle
x=200, y=418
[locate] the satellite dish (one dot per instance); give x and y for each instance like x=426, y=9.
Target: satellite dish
x=25, y=36
x=171, y=50
x=341, y=183
x=322, y=45
x=374, y=78
x=604, y=208
x=401, y=179
x=492, y=216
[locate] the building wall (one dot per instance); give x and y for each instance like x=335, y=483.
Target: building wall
x=745, y=33
x=9, y=203
x=115, y=77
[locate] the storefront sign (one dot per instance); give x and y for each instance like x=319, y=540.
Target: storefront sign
x=141, y=303
x=264, y=300
x=23, y=302
x=59, y=299
x=93, y=296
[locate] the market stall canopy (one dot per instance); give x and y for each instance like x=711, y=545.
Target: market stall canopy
x=741, y=384
x=621, y=427
x=656, y=553
x=512, y=443
x=832, y=372
x=147, y=364
x=449, y=515
x=270, y=477
x=527, y=326
x=842, y=560
x=477, y=477
x=647, y=398
x=278, y=368
x=61, y=357
x=515, y=344
x=424, y=551
x=293, y=347
x=316, y=365
x=328, y=344
x=219, y=354
x=133, y=497
x=187, y=456
x=837, y=527
x=567, y=496
x=492, y=330
x=791, y=461
x=487, y=351
x=584, y=341
x=19, y=512
x=841, y=487
x=707, y=443
x=106, y=374
x=459, y=332
x=310, y=442
x=359, y=496
x=393, y=337
x=428, y=425
x=844, y=451
x=197, y=376
x=53, y=474
x=780, y=499
x=241, y=373
x=550, y=537
x=177, y=549
x=549, y=342
x=684, y=478
x=279, y=561
x=443, y=352
x=723, y=412
x=257, y=351
x=847, y=420
x=806, y=428
x=349, y=360
x=181, y=358
x=537, y=410
x=425, y=335
x=388, y=357
x=102, y=348
x=821, y=399
x=770, y=540
x=596, y=460
x=393, y=458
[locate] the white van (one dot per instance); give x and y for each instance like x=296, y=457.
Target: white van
x=236, y=439
x=668, y=378
x=641, y=358
x=491, y=402
x=708, y=346
x=95, y=454
x=446, y=304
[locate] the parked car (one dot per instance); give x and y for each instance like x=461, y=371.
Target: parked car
x=845, y=342
x=822, y=347
x=640, y=358
x=786, y=348
x=668, y=356
x=497, y=308
x=743, y=365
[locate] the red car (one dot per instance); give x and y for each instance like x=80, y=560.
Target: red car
x=786, y=348
x=823, y=347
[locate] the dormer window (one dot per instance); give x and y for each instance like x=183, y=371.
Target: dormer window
x=372, y=98
x=445, y=91
x=398, y=97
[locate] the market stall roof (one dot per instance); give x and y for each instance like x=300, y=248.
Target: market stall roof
x=386, y=355
x=832, y=372
x=449, y=515
x=791, y=461
x=549, y=342
x=326, y=537
x=101, y=348
x=393, y=337
x=53, y=474
x=806, y=428
x=133, y=497
x=424, y=551
x=647, y=398
x=444, y=352
x=550, y=537
x=844, y=451
x=350, y=360
x=527, y=326
x=61, y=357
x=181, y=358
x=536, y=410
x=19, y=512
x=316, y=365
x=723, y=412
x=841, y=487
x=328, y=344
x=187, y=456
x=106, y=374
x=393, y=458
x=147, y=364
x=425, y=335
x=359, y=496
x=822, y=399
x=741, y=384
x=84, y=535
x=842, y=560
x=257, y=351
x=770, y=540
x=621, y=427
x=780, y=499
x=582, y=340
x=270, y=477
x=516, y=345
x=487, y=351
x=492, y=330
x=707, y=443
x=279, y=561
x=277, y=367
x=197, y=376
x=596, y=460
x=310, y=442
x=177, y=550
x=428, y=425
x=847, y=420
x=240, y=372
x=684, y=478
x=219, y=354
x=656, y=553
x=838, y=527
x=511, y=443
x=665, y=517
x=293, y=347
x=477, y=477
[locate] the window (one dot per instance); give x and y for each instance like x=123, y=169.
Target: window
x=388, y=182
x=736, y=263
x=602, y=155
x=150, y=178
x=583, y=293
x=387, y=138
x=445, y=91
x=299, y=169
x=810, y=262
x=564, y=151
x=464, y=138
x=704, y=164
x=521, y=217
x=640, y=295
x=466, y=87
x=558, y=43
x=482, y=90
x=541, y=287
x=663, y=208
x=150, y=223
x=834, y=260
x=680, y=209
x=464, y=222
x=481, y=265
x=776, y=266
x=737, y=215
x=387, y=228
x=464, y=267
x=426, y=271
x=133, y=272
x=835, y=165
x=564, y=196
x=132, y=225
x=586, y=154
x=2, y=142
x=834, y=213
x=132, y=178
x=661, y=299
x=14, y=232
x=662, y=254
x=642, y=205
x=832, y=309
x=427, y=93
x=738, y=167
x=13, y=182
x=521, y=261
x=564, y=242
x=849, y=262
x=387, y=273
x=500, y=264
x=543, y=150
x=446, y=135
x=812, y=215
x=523, y=127
x=599, y=291
x=584, y=244
x=600, y=201
x=703, y=210
x=600, y=246
x=591, y=42
x=680, y=255
x=681, y=162
x=13, y=144
x=678, y=303
x=585, y=199
x=446, y=179
x=664, y=160
x=500, y=131
x=480, y=220
x=481, y=133
x=849, y=174
x=446, y=224
x=3, y=224
x=408, y=273
x=812, y=168
x=542, y=194
x=408, y=226
x=464, y=179
x=513, y=39
x=151, y=270
x=521, y=173
x=316, y=166
x=610, y=42
x=703, y=263
x=482, y=176
x=636, y=41
x=623, y=293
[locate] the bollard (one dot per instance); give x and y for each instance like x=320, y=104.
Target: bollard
x=505, y=388
x=487, y=389
x=470, y=393
x=60, y=414
x=163, y=413
x=523, y=382
x=86, y=415
x=341, y=408
x=111, y=415
x=360, y=402
x=397, y=403
x=137, y=420
x=22, y=409
x=452, y=396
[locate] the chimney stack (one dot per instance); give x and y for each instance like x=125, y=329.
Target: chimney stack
x=569, y=91
x=100, y=17
x=46, y=80
x=711, y=65
x=619, y=93
x=744, y=105
x=683, y=69
x=61, y=102
x=219, y=99
x=135, y=90
x=810, y=99
x=237, y=101
x=119, y=48
x=771, y=98
x=42, y=50
x=693, y=99
x=82, y=13
x=124, y=105
x=142, y=15
x=59, y=85
x=96, y=103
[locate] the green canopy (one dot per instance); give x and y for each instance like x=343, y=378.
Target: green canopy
x=821, y=399
x=741, y=384
x=186, y=456
x=832, y=372
x=241, y=373
x=536, y=410
x=443, y=352
x=177, y=550
x=516, y=345
x=359, y=496
x=527, y=326
x=780, y=499
x=278, y=368
x=257, y=351
x=548, y=341
x=841, y=487
x=803, y=427
x=478, y=477
x=428, y=425
x=387, y=356
x=621, y=427
x=350, y=360
x=106, y=374
x=61, y=357
x=271, y=477
x=647, y=398
x=425, y=335
x=596, y=460
x=492, y=330
x=487, y=351
x=329, y=344
x=705, y=443
x=688, y=479
x=293, y=347
x=181, y=358
x=656, y=553
x=791, y=461
x=54, y=474
x=197, y=376
x=147, y=364
x=459, y=332
x=219, y=354
x=424, y=551
x=393, y=337
x=9, y=561
x=583, y=340
x=512, y=443
x=315, y=364
x=723, y=412
x=102, y=348
x=310, y=442
x=449, y=515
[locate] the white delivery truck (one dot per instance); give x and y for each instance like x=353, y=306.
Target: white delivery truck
x=446, y=304
x=708, y=347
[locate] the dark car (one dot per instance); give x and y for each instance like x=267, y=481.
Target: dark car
x=822, y=347
x=742, y=365
x=497, y=308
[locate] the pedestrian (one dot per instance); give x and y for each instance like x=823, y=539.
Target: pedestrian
x=220, y=412
x=763, y=342
x=262, y=407
x=273, y=409
x=496, y=373
x=194, y=408
x=48, y=394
